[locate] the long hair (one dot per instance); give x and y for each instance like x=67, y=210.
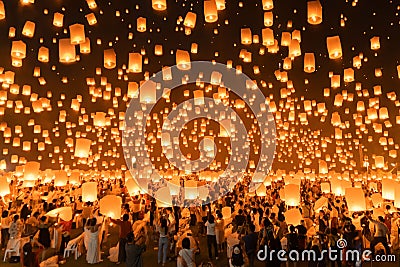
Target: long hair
x=29, y=256
x=164, y=224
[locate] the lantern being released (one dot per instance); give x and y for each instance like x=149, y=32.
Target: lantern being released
x=110, y=206
x=334, y=47
x=89, y=192
x=355, y=199
x=4, y=186
x=292, y=195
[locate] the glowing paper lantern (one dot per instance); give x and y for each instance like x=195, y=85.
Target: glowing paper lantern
x=18, y=49
x=84, y=47
x=210, y=11
x=43, y=54
x=183, y=60
x=267, y=37
x=110, y=206
x=141, y=24
x=388, y=189
x=325, y=188
x=314, y=12
x=132, y=187
x=292, y=194
x=246, y=36
x=4, y=186
x=321, y=203
x=29, y=29
x=355, y=199
x=268, y=19
x=64, y=213
x=135, y=63
x=379, y=162
x=309, y=62
x=148, y=93
x=66, y=51
x=159, y=5
x=267, y=4
x=82, y=147
x=89, y=192
x=293, y=217
x=31, y=170
x=190, y=20
x=334, y=47
x=60, y=178
x=375, y=43
x=58, y=19
x=191, y=190
x=2, y=11
x=377, y=200
x=77, y=34
x=110, y=59
x=99, y=119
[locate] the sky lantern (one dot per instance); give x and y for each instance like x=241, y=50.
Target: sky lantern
x=226, y=212
x=294, y=48
x=334, y=47
x=375, y=43
x=141, y=24
x=191, y=190
x=110, y=59
x=132, y=187
x=190, y=20
x=84, y=47
x=2, y=11
x=133, y=90
x=91, y=4
x=267, y=4
x=379, y=162
x=158, y=50
x=31, y=170
x=60, y=178
x=348, y=75
x=148, y=93
x=99, y=119
x=29, y=29
x=58, y=19
x=64, y=213
x=43, y=54
x=388, y=189
x=267, y=37
x=246, y=36
x=18, y=49
x=4, y=186
x=110, y=206
x=268, y=19
x=355, y=199
x=66, y=51
x=77, y=34
x=293, y=217
x=183, y=59
x=292, y=195
x=314, y=12
x=89, y=192
x=135, y=63
x=82, y=147
x=159, y=5
x=309, y=62
x=210, y=11
x=91, y=18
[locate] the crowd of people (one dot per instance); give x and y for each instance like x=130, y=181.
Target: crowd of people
x=236, y=227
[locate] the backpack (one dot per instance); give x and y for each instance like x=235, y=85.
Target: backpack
x=237, y=256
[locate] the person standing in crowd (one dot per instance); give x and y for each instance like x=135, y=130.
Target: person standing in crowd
x=219, y=231
x=211, y=238
x=186, y=256
x=44, y=235
x=28, y=257
x=125, y=227
x=381, y=233
x=250, y=243
x=66, y=227
x=133, y=251
x=93, y=252
x=5, y=226
x=163, y=241
x=16, y=228
x=136, y=208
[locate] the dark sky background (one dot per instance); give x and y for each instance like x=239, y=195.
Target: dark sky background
x=363, y=21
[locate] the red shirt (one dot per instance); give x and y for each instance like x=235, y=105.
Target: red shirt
x=125, y=227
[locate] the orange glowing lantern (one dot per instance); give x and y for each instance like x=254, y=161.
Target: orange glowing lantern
x=91, y=18
x=379, y=162
x=246, y=36
x=66, y=51
x=82, y=147
x=190, y=20
x=356, y=195
x=148, y=93
x=43, y=54
x=135, y=63
x=293, y=217
x=110, y=59
x=18, y=49
x=2, y=11
x=334, y=47
x=309, y=62
x=268, y=19
x=31, y=170
x=141, y=24
x=314, y=12
x=210, y=11
x=292, y=195
x=110, y=206
x=89, y=192
x=375, y=43
x=183, y=60
x=267, y=4
x=60, y=178
x=77, y=34
x=29, y=29
x=267, y=37
x=58, y=20
x=159, y=5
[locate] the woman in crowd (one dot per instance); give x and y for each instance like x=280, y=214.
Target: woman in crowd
x=163, y=241
x=93, y=252
x=211, y=238
x=186, y=255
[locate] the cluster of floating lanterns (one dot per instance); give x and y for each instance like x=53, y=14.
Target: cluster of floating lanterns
x=315, y=138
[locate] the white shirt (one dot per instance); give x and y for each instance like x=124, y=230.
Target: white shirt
x=210, y=228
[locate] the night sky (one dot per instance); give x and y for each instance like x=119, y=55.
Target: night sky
x=362, y=21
